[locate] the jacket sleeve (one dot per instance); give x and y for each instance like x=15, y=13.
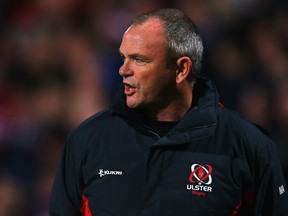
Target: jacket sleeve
x=272, y=197
x=66, y=192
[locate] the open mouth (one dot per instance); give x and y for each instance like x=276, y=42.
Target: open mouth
x=129, y=90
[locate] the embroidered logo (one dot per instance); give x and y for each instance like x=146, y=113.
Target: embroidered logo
x=200, y=177
x=109, y=172
x=281, y=189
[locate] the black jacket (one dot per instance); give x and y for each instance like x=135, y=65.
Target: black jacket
x=213, y=162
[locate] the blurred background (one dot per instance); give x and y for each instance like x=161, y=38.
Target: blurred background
x=59, y=65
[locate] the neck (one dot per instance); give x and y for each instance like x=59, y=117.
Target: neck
x=174, y=111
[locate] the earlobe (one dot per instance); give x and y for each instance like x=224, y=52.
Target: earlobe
x=184, y=65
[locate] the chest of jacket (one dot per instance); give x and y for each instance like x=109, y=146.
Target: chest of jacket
x=184, y=179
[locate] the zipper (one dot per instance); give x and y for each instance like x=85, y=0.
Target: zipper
x=154, y=134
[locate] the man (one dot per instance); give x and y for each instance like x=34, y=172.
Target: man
x=166, y=145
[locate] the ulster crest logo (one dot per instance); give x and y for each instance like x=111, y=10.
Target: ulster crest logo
x=199, y=178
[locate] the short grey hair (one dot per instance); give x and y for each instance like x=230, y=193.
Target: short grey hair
x=181, y=34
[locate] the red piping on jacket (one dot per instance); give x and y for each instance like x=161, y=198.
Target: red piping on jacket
x=220, y=104
x=85, y=207
x=236, y=210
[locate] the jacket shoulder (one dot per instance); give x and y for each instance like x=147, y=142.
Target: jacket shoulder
x=243, y=128
x=92, y=129
x=98, y=119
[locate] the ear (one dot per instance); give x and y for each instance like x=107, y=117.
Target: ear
x=184, y=65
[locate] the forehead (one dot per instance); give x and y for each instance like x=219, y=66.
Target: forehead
x=151, y=24
x=149, y=34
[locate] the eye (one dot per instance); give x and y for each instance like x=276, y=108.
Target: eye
x=137, y=59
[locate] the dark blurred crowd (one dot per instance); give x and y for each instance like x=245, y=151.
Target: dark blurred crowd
x=59, y=65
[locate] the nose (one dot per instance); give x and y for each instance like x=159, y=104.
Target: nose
x=125, y=70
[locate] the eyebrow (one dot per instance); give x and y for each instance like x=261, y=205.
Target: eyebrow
x=134, y=55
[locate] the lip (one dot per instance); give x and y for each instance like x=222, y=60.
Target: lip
x=129, y=89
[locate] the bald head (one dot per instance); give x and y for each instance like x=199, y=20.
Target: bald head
x=181, y=36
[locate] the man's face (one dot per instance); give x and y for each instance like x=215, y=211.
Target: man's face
x=148, y=81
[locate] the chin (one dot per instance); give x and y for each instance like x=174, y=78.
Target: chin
x=132, y=105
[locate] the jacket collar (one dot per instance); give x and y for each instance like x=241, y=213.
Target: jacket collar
x=199, y=121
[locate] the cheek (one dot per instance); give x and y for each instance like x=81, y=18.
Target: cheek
x=153, y=87
x=147, y=83
x=154, y=79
